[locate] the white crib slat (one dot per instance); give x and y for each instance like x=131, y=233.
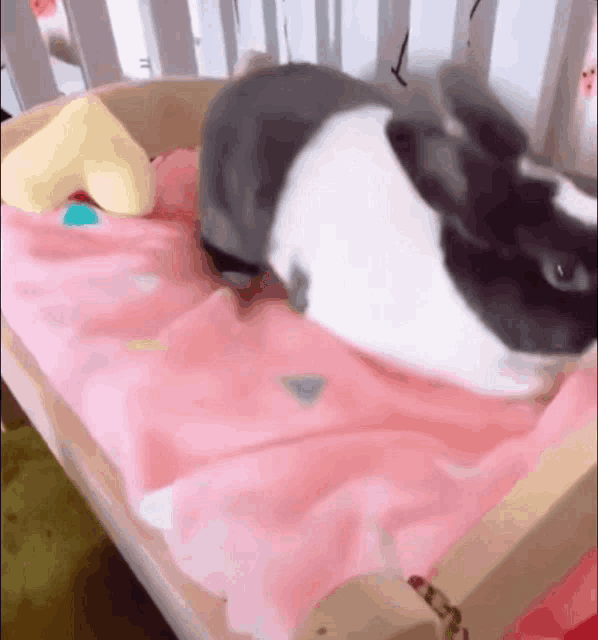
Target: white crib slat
x=438, y=31
x=171, y=23
x=526, y=55
x=461, y=30
x=570, y=139
x=26, y=55
x=91, y=32
x=335, y=33
x=284, y=51
x=359, y=37
x=153, y=62
x=555, y=58
x=393, y=28
x=250, y=26
x=296, y=24
x=212, y=49
x=230, y=21
x=271, y=28
x=322, y=31
x=129, y=32
x=482, y=21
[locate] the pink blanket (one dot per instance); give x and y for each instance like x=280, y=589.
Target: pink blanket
x=276, y=460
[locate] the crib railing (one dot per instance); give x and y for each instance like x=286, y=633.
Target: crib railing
x=531, y=50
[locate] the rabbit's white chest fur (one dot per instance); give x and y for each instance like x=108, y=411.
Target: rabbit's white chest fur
x=347, y=190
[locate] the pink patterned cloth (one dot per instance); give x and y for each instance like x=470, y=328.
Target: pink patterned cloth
x=286, y=462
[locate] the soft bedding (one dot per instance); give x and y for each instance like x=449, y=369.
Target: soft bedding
x=277, y=461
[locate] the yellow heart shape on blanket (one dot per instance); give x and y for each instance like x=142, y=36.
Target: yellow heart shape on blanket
x=83, y=148
x=146, y=345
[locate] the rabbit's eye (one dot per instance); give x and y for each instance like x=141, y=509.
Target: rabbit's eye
x=566, y=274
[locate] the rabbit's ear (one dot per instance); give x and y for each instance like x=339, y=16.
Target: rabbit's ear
x=430, y=159
x=433, y=161
x=488, y=123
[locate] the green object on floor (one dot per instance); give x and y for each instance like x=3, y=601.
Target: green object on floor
x=62, y=577
x=47, y=530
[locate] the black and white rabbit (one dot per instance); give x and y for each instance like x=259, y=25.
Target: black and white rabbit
x=442, y=248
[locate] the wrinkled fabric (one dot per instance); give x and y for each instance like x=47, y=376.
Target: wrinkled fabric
x=278, y=461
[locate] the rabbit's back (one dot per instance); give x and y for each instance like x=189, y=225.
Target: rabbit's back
x=253, y=132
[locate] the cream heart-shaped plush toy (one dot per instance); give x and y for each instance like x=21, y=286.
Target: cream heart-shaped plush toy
x=102, y=143
x=84, y=147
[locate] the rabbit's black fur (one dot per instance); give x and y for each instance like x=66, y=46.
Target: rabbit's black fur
x=523, y=262
x=507, y=228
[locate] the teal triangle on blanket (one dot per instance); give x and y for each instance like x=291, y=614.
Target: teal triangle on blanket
x=80, y=215
x=306, y=388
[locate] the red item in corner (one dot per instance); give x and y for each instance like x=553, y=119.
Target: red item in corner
x=567, y=611
x=540, y=622
x=585, y=631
